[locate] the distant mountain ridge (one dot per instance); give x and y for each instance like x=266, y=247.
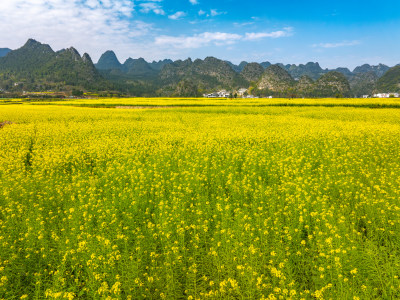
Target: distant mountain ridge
x=379, y=70
x=36, y=67
x=4, y=51
x=210, y=73
x=108, y=61
x=314, y=70
x=390, y=81
x=276, y=81
x=311, y=69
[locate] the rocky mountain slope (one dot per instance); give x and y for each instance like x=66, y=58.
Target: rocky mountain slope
x=208, y=74
x=363, y=84
x=36, y=67
x=252, y=72
x=332, y=83
x=390, y=82
x=379, y=70
x=108, y=61
x=275, y=79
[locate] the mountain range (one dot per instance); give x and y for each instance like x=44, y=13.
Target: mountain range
x=4, y=51
x=36, y=67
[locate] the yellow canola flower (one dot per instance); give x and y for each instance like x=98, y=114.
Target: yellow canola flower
x=208, y=198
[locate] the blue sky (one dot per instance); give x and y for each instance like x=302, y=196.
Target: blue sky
x=335, y=33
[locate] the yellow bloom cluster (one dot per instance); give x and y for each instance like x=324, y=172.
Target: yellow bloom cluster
x=204, y=200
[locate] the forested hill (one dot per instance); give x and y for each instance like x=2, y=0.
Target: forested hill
x=36, y=67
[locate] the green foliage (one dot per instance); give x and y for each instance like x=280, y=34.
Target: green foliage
x=36, y=67
x=363, y=84
x=186, y=88
x=77, y=93
x=209, y=74
x=108, y=61
x=252, y=72
x=390, y=82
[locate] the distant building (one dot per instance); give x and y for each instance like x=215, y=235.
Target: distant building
x=381, y=95
x=250, y=97
x=241, y=92
x=220, y=94
x=223, y=94
x=386, y=95
x=365, y=96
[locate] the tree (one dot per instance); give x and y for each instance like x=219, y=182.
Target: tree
x=77, y=93
x=186, y=88
x=339, y=95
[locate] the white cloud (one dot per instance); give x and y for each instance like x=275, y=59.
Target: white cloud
x=198, y=40
x=243, y=24
x=288, y=31
x=215, y=38
x=94, y=26
x=151, y=7
x=91, y=26
x=178, y=15
x=194, y=2
x=337, y=45
x=214, y=12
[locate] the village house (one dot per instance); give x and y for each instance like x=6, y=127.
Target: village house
x=241, y=92
x=220, y=94
x=387, y=95
x=250, y=97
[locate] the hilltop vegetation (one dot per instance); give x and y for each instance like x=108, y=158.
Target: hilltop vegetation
x=390, y=82
x=252, y=72
x=36, y=67
x=364, y=83
x=277, y=82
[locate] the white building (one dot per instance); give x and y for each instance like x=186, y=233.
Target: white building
x=386, y=95
x=250, y=97
x=241, y=92
x=220, y=94
x=223, y=94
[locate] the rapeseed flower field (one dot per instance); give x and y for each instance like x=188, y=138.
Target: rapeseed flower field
x=234, y=200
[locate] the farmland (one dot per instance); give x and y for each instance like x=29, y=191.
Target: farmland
x=204, y=199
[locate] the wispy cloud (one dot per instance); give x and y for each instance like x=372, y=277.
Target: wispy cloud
x=211, y=13
x=337, y=45
x=178, y=15
x=92, y=26
x=243, y=24
x=151, y=7
x=198, y=40
x=288, y=31
x=194, y=2
x=215, y=38
x=214, y=13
